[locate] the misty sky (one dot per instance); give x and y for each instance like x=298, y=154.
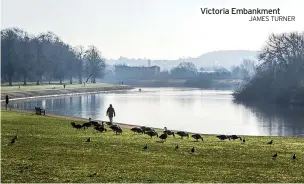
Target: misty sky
x=155, y=29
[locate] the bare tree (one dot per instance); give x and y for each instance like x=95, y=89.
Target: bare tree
x=51, y=53
x=95, y=63
x=281, y=71
x=184, y=70
x=247, y=68
x=26, y=56
x=45, y=56
x=9, y=56
x=79, y=62
x=39, y=64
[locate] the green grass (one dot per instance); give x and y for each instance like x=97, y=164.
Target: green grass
x=33, y=87
x=48, y=150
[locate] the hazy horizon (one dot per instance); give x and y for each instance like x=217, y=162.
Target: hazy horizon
x=186, y=57
x=157, y=30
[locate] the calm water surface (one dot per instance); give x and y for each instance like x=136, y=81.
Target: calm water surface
x=194, y=110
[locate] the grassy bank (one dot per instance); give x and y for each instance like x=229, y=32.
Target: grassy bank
x=56, y=89
x=49, y=150
x=46, y=86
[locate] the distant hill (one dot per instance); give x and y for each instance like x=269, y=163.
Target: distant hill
x=224, y=58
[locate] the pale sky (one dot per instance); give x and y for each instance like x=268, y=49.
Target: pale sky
x=154, y=29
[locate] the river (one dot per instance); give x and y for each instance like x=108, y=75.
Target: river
x=193, y=110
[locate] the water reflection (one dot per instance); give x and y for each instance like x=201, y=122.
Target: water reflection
x=202, y=111
x=278, y=120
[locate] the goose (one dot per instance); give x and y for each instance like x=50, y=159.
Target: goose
x=86, y=125
x=102, y=124
x=100, y=128
x=235, y=137
x=149, y=129
x=89, y=139
x=119, y=131
x=94, y=123
x=152, y=133
x=137, y=130
x=222, y=137
x=169, y=132
x=197, y=137
x=143, y=128
x=270, y=142
x=192, y=150
x=74, y=125
x=116, y=129
x=146, y=147
x=294, y=157
x=109, y=123
x=94, y=174
x=13, y=141
x=275, y=155
x=163, y=136
x=182, y=134
x=244, y=140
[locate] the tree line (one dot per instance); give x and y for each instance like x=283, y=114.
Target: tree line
x=280, y=76
x=33, y=58
x=187, y=70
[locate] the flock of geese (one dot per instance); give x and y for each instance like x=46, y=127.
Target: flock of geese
x=151, y=132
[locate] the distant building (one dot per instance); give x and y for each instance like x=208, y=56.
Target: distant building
x=136, y=72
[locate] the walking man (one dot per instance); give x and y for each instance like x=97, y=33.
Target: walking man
x=6, y=101
x=111, y=113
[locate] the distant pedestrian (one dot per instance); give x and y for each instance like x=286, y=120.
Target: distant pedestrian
x=64, y=86
x=111, y=113
x=6, y=101
x=294, y=157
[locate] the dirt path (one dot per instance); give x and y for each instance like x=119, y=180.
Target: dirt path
x=18, y=95
x=72, y=118
x=23, y=95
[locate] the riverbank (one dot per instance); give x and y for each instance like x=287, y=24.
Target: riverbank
x=59, y=153
x=71, y=118
x=227, y=84
x=55, y=90
x=285, y=96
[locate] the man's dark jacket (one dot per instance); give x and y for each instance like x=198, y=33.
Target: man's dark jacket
x=111, y=112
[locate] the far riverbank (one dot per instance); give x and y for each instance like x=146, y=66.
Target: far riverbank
x=46, y=92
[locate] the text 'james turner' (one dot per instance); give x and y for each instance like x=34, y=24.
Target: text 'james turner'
x=240, y=11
